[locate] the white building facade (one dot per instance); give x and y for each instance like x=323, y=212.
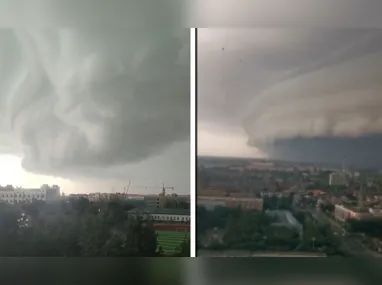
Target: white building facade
x=12, y=195
x=170, y=217
x=162, y=216
x=338, y=179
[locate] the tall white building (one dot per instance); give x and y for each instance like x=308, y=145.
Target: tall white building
x=13, y=195
x=338, y=178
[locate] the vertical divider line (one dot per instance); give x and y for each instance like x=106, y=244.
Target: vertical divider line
x=193, y=140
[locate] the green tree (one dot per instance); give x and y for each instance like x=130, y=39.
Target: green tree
x=74, y=228
x=184, y=249
x=9, y=229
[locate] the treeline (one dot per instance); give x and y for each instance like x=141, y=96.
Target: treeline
x=77, y=228
x=278, y=203
x=235, y=229
x=242, y=230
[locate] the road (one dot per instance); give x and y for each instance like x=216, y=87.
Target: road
x=347, y=242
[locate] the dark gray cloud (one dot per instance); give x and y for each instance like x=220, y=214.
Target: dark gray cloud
x=79, y=101
x=298, y=93
x=303, y=13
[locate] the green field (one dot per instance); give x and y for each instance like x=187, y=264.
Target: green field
x=170, y=240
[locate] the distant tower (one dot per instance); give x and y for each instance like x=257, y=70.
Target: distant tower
x=361, y=197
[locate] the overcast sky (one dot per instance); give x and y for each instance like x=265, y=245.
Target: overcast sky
x=91, y=109
x=257, y=85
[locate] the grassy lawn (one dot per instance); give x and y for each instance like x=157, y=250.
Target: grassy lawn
x=170, y=240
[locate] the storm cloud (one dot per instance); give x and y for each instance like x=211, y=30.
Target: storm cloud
x=306, y=94
x=81, y=98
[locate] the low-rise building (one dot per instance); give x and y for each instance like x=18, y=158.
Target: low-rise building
x=343, y=213
x=231, y=202
x=13, y=195
x=161, y=200
x=163, y=215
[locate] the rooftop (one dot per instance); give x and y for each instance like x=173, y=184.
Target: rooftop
x=4, y=189
x=158, y=211
x=355, y=209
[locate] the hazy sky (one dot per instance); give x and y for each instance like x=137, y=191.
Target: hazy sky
x=92, y=108
x=257, y=85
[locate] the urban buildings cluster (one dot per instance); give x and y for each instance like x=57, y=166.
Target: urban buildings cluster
x=162, y=201
x=159, y=201
x=246, y=184
x=335, y=203
x=162, y=207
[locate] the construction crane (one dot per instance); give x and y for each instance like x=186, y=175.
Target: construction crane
x=126, y=189
x=164, y=188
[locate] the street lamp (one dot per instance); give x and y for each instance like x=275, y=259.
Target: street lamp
x=313, y=240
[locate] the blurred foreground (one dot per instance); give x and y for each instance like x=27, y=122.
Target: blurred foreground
x=199, y=271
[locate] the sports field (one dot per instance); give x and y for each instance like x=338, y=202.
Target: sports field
x=170, y=240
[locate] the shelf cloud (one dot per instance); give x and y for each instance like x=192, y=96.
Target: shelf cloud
x=73, y=99
x=302, y=94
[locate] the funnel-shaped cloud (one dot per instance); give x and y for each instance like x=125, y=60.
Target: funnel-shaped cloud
x=83, y=98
